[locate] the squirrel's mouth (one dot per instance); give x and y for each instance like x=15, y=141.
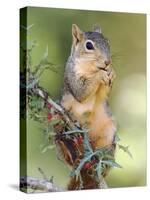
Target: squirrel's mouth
x=102, y=68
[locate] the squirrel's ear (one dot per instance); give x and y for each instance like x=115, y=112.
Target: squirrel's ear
x=77, y=34
x=97, y=29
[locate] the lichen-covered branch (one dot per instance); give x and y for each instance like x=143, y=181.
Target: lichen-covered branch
x=44, y=185
x=38, y=184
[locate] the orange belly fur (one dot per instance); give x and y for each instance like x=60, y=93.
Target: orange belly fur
x=93, y=112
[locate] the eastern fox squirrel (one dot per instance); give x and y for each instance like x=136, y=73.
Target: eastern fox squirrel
x=88, y=78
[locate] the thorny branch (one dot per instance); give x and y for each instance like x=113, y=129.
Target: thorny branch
x=44, y=184
x=44, y=95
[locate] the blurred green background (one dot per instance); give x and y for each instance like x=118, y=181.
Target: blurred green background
x=127, y=35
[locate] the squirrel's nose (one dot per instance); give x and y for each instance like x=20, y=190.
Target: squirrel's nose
x=107, y=62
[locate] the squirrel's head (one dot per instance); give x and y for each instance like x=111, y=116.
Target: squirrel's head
x=91, y=46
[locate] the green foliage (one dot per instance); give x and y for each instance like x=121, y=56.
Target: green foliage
x=110, y=163
x=125, y=149
x=122, y=147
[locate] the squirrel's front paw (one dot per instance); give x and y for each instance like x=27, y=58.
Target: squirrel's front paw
x=107, y=76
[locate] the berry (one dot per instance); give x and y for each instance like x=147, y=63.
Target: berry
x=92, y=143
x=87, y=165
x=75, y=142
x=80, y=139
x=58, y=128
x=93, y=162
x=49, y=116
x=49, y=105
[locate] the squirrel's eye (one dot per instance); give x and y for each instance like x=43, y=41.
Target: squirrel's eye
x=89, y=46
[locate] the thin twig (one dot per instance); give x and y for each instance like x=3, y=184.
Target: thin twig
x=74, y=131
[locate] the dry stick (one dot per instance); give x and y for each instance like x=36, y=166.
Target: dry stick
x=39, y=184
x=47, y=186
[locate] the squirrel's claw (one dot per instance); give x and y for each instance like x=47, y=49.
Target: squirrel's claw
x=108, y=76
